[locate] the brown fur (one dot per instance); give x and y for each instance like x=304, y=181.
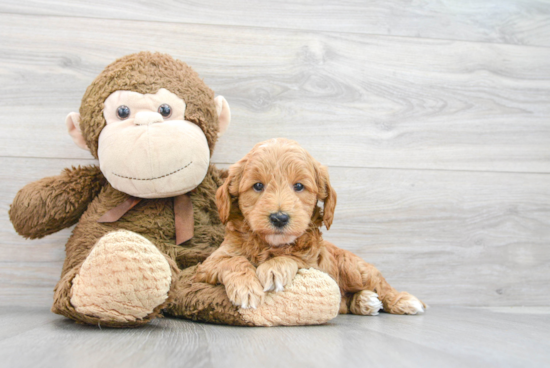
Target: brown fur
x=147, y=72
x=247, y=261
x=62, y=200
x=81, y=195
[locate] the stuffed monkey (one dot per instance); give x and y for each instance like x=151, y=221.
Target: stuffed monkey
x=147, y=215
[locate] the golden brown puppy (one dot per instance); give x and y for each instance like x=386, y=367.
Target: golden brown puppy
x=269, y=203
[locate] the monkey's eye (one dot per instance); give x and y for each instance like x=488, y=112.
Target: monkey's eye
x=165, y=110
x=123, y=112
x=298, y=187
x=258, y=187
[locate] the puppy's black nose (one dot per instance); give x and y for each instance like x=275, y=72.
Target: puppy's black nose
x=279, y=219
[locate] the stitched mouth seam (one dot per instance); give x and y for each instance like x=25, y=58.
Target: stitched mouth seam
x=158, y=177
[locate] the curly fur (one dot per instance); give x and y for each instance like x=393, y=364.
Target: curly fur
x=256, y=256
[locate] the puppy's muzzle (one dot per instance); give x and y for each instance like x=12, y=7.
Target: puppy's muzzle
x=279, y=219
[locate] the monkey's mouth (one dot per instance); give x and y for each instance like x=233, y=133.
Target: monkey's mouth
x=158, y=177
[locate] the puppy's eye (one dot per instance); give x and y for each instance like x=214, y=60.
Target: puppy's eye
x=165, y=110
x=258, y=187
x=298, y=187
x=122, y=112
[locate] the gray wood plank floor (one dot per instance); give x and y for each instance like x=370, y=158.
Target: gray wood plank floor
x=444, y=337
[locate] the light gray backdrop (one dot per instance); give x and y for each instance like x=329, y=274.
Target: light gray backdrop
x=434, y=120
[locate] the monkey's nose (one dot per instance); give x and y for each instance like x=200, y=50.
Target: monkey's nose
x=279, y=219
x=147, y=117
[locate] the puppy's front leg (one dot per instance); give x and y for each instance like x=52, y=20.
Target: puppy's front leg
x=277, y=273
x=237, y=274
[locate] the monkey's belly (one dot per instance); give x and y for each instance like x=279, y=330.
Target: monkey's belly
x=152, y=219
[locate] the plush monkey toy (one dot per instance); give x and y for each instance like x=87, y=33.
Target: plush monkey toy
x=147, y=215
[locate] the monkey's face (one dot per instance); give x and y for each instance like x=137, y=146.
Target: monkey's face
x=148, y=149
x=147, y=144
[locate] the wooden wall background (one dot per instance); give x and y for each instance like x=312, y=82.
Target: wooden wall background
x=433, y=116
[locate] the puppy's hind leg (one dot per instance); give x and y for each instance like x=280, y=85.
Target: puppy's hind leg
x=362, y=279
x=393, y=301
x=365, y=303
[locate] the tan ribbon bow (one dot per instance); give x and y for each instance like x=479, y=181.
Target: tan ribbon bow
x=183, y=215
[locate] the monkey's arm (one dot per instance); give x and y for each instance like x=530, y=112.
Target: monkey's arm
x=54, y=203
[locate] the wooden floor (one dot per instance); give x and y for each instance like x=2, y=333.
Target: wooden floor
x=444, y=337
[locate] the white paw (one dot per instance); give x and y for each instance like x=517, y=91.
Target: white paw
x=415, y=306
x=407, y=304
x=365, y=303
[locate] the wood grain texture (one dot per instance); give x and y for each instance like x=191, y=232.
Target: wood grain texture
x=525, y=22
x=444, y=337
x=451, y=238
x=353, y=100
x=439, y=149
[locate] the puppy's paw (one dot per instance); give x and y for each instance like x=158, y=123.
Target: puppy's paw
x=277, y=273
x=365, y=303
x=204, y=275
x=245, y=292
x=406, y=303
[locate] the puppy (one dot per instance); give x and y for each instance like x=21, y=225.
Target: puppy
x=269, y=205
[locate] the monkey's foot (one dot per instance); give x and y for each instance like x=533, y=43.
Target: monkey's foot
x=123, y=279
x=365, y=303
x=405, y=303
x=312, y=298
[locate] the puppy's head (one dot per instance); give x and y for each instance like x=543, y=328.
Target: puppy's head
x=275, y=187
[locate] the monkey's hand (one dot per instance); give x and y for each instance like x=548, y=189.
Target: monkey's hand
x=54, y=203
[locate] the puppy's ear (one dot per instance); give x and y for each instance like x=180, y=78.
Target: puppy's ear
x=327, y=194
x=223, y=201
x=229, y=189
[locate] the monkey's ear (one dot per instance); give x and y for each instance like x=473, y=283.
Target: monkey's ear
x=73, y=126
x=224, y=114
